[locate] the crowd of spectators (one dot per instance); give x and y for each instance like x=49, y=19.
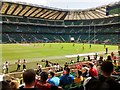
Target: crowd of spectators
x=88, y=75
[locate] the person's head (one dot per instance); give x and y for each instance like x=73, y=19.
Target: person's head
x=109, y=57
x=83, y=65
x=52, y=74
x=107, y=68
x=67, y=70
x=44, y=76
x=79, y=73
x=29, y=77
x=64, y=72
x=101, y=58
x=5, y=85
x=90, y=65
x=14, y=85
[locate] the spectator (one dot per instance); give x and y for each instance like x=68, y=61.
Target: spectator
x=73, y=72
x=5, y=85
x=42, y=83
x=18, y=65
x=65, y=65
x=29, y=80
x=78, y=58
x=39, y=69
x=4, y=68
x=112, y=54
x=58, y=67
x=79, y=77
x=55, y=67
x=47, y=63
x=50, y=69
x=109, y=59
x=53, y=79
x=24, y=64
x=105, y=81
x=71, y=62
x=14, y=85
x=95, y=56
x=93, y=71
x=88, y=58
x=85, y=70
x=99, y=62
x=106, y=50
x=66, y=79
x=7, y=65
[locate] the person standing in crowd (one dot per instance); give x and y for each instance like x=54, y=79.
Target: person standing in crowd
x=24, y=64
x=104, y=46
x=7, y=65
x=99, y=62
x=82, y=47
x=39, y=69
x=78, y=58
x=104, y=81
x=106, y=50
x=112, y=54
x=38, y=65
x=29, y=80
x=58, y=67
x=88, y=58
x=90, y=45
x=53, y=79
x=65, y=65
x=55, y=67
x=71, y=62
x=47, y=63
x=18, y=65
x=4, y=68
x=95, y=57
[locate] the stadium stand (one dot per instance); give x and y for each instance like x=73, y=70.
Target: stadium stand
x=26, y=23
x=44, y=24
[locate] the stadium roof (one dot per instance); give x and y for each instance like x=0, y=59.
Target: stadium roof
x=43, y=12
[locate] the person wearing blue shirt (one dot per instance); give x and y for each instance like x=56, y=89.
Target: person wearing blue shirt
x=66, y=79
x=54, y=80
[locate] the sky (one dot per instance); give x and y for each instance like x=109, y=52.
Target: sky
x=69, y=4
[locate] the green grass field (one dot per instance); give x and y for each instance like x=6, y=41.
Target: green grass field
x=35, y=52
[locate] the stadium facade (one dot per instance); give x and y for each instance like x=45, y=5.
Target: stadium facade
x=25, y=23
